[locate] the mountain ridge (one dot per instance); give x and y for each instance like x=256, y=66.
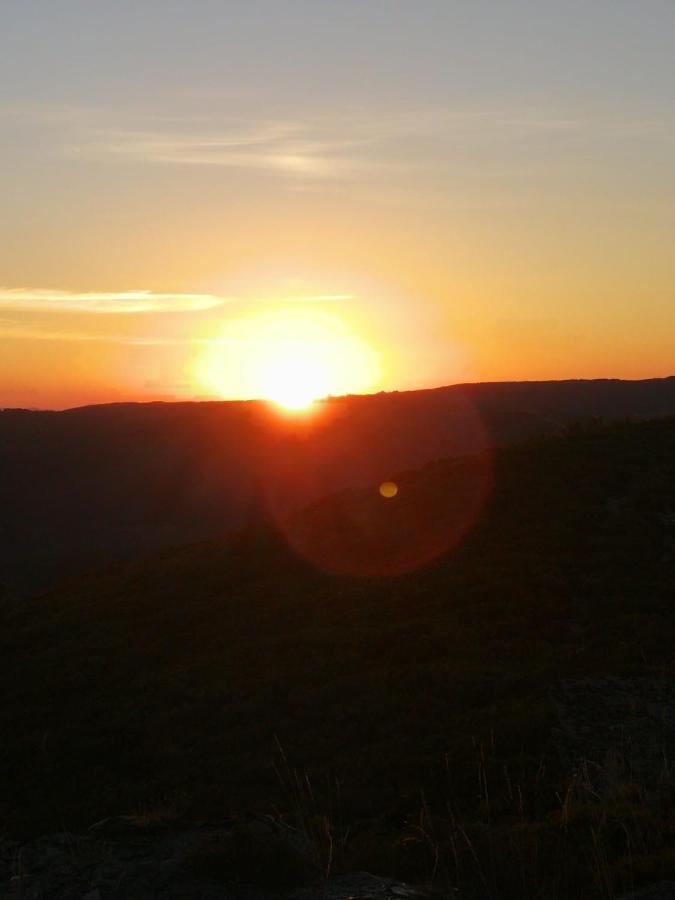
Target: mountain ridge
x=105, y=482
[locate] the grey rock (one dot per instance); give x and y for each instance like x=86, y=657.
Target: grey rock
x=615, y=727
x=115, y=826
x=147, y=864
x=665, y=890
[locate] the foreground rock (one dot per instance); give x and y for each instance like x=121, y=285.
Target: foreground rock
x=118, y=859
x=618, y=728
x=663, y=891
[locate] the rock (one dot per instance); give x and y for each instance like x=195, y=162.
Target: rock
x=256, y=852
x=115, y=827
x=364, y=886
x=255, y=859
x=619, y=725
x=106, y=873
x=665, y=890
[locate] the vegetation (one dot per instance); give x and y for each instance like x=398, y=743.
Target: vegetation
x=401, y=724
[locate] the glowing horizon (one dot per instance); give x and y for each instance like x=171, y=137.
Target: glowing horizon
x=291, y=358
x=475, y=192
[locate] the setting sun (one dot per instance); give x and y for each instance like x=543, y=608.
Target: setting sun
x=294, y=375
x=290, y=358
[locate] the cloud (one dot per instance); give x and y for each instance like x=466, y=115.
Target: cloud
x=289, y=149
x=52, y=302
x=47, y=301
x=22, y=331
x=317, y=150
x=347, y=144
x=31, y=300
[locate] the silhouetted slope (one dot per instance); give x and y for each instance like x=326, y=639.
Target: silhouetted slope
x=98, y=483
x=178, y=673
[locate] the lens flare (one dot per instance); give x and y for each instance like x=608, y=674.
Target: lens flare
x=390, y=527
x=389, y=489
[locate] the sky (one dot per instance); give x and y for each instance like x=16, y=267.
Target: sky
x=421, y=193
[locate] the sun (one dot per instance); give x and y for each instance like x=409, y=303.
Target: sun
x=291, y=358
x=294, y=375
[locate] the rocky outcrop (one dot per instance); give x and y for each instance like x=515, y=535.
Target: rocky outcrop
x=665, y=890
x=122, y=859
x=618, y=728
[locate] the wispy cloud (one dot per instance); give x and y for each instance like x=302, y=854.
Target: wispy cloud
x=46, y=301
x=345, y=144
x=319, y=148
x=26, y=304
x=38, y=300
x=284, y=148
x=32, y=332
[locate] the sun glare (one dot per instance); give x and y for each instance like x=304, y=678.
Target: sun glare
x=293, y=375
x=289, y=358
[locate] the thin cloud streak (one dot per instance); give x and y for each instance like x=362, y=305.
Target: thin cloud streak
x=349, y=144
x=54, y=301
x=20, y=331
x=283, y=148
x=47, y=301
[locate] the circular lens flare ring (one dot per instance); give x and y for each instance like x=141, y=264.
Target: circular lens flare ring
x=389, y=528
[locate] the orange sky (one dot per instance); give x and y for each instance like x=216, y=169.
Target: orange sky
x=457, y=193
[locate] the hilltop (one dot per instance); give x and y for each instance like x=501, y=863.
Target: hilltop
x=91, y=485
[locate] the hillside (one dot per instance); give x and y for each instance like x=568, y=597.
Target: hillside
x=91, y=485
x=441, y=717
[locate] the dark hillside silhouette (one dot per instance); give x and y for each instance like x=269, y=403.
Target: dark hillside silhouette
x=92, y=484
x=423, y=700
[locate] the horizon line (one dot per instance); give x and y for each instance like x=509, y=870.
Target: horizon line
x=333, y=397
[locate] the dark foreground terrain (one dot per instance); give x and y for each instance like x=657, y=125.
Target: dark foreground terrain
x=499, y=723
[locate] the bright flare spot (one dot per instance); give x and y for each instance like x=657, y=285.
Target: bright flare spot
x=291, y=358
x=389, y=489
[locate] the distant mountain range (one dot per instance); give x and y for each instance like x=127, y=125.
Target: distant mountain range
x=98, y=483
